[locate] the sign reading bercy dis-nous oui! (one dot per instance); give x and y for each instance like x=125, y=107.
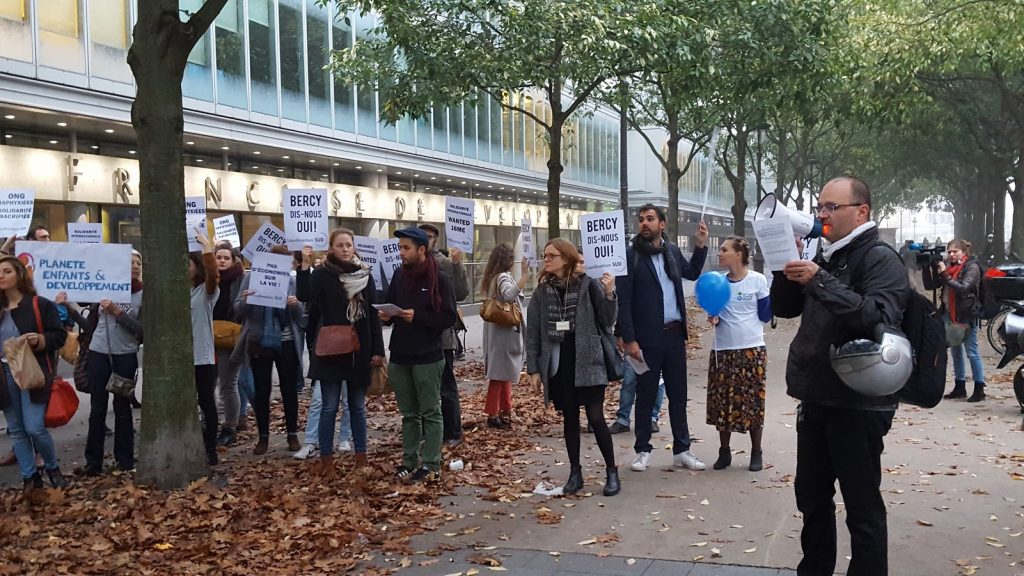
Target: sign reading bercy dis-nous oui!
x=604, y=243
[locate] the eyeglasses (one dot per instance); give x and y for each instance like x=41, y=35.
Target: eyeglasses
x=547, y=257
x=829, y=208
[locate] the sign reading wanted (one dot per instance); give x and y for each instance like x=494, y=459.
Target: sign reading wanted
x=458, y=223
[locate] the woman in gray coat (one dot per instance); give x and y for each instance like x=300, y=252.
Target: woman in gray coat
x=503, y=345
x=568, y=314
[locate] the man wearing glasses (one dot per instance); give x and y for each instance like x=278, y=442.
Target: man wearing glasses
x=652, y=325
x=852, y=286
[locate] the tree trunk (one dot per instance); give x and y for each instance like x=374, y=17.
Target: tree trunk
x=739, y=183
x=1017, y=231
x=998, y=226
x=780, y=169
x=674, y=174
x=555, y=159
x=171, y=450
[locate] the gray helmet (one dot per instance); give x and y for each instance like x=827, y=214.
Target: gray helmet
x=878, y=367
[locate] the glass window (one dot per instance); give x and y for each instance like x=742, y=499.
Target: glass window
x=469, y=129
x=455, y=130
x=440, y=128
x=60, y=36
x=198, y=80
x=230, y=42
x=495, y=130
x=423, y=136
x=16, y=30
x=262, y=57
x=108, y=36
x=122, y=225
x=344, y=92
x=317, y=46
x=366, y=100
x=407, y=131
x=293, y=60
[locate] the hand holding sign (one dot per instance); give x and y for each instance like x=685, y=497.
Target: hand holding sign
x=702, y=234
x=604, y=243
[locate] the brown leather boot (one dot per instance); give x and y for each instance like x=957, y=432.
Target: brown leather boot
x=293, y=443
x=327, y=466
x=261, y=446
x=361, y=461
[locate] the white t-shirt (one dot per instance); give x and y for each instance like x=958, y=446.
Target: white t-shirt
x=739, y=326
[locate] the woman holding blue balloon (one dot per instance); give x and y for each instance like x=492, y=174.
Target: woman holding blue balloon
x=738, y=305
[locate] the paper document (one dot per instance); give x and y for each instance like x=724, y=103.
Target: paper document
x=639, y=366
x=777, y=242
x=389, y=309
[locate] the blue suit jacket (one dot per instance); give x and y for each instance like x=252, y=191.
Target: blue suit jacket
x=641, y=300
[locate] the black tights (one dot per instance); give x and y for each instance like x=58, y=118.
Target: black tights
x=571, y=427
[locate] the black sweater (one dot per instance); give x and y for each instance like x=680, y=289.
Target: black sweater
x=420, y=342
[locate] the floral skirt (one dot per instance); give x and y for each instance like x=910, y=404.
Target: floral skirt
x=736, y=389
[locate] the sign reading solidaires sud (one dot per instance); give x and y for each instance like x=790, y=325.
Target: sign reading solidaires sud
x=604, y=243
x=305, y=218
x=87, y=272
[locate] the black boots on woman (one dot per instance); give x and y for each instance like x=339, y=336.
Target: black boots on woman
x=575, y=482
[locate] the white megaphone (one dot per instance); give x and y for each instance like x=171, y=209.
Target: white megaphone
x=805, y=225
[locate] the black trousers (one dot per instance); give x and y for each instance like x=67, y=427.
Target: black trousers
x=287, y=375
x=99, y=368
x=667, y=360
x=842, y=444
x=451, y=410
x=206, y=382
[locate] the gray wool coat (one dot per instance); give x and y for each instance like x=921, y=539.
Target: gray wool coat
x=504, y=344
x=592, y=310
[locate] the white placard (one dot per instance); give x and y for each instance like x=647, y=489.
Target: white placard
x=389, y=309
x=224, y=228
x=368, y=250
x=458, y=223
x=87, y=272
x=269, y=279
x=305, y=218
x=529, y=253
x=195, y=220
x=776, y=241
x=263, y=240
x=604, y=243
x=16, y=208
x=85, y=232
x=390, y=258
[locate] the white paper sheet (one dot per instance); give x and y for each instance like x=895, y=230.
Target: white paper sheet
x=777, y=242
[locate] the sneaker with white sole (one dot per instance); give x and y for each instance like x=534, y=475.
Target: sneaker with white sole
x=642, y=461
x=345, y=446
x=305, y=452
x=688, y=460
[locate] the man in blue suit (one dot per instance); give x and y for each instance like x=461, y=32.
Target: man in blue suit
x=652, y=324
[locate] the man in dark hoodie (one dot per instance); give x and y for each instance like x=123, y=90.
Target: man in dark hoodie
x=424, y=294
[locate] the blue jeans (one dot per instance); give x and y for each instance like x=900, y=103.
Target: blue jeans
x=356, y=400
x=970, y=344
x=313, y=416
x=246, y=390
x=627, y=396
x=27, y=427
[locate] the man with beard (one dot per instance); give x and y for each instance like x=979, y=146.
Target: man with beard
x=424, y=294
x=652, y=325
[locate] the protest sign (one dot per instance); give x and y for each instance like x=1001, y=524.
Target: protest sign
x=224, y=228
x=775, y=241
x=85, y=232
x=16, y=208
x=390, y=259
x=528, y=251
x=604, y=243
x=458, y=223
x=368, y=250
x=263, y=240
x=269, y=279
x=87, y=272
x=305, y=218
x=195, y=220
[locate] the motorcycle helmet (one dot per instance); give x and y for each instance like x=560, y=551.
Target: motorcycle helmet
x=878, y=367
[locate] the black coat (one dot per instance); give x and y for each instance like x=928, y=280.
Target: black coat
x=836, y=308
x=965, y=290
x=25, y=319
x=641, y=300
x=328, y=306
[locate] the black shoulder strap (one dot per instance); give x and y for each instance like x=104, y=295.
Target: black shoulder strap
x=856, y=266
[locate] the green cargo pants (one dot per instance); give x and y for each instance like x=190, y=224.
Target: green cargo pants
x=418, y=393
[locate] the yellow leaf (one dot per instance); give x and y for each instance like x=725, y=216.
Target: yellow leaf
x=163, y=546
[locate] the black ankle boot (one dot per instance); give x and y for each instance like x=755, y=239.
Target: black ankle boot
x=611, y=483
x=57, y=480
x=979, y=392
x=756, y=461
x=575, y=482
x=959, y=390
x=724, y=458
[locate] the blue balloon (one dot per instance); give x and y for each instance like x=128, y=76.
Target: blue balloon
x=713, y=292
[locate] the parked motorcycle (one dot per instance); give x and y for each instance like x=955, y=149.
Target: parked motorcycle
x=1009, y=291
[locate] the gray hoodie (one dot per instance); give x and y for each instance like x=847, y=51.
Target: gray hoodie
x=119, y=334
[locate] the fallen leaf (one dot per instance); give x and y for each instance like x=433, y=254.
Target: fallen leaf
x=924, y=523
x=483, y=560
x=750, y=550
x=699, y=544
x=716, y=553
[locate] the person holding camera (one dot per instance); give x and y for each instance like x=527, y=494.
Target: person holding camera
x=961, y=282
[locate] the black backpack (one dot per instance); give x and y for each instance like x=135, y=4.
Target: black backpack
x=925, y=328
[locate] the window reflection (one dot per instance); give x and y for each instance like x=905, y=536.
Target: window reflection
x=16, y=30
x=316, y=59
x=262, y=57
x=344, y=109
x=231, y=56
x=60, y=37
x=293, y=62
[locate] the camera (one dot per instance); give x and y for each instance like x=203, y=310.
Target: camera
x=927, y=259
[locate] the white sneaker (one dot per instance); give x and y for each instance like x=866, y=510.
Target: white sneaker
x=305, y=452
x=642, y=461
x=688, y=460
x=345, y=446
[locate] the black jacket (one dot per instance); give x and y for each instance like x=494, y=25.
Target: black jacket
x=836, y=308
x=641, y=300
x=328, y=306
x=965, y=290
x=24, y=317
x=420, y=342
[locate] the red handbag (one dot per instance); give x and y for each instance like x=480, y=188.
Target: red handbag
x=62, y=405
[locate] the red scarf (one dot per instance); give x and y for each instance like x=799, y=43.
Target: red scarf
x=422, y=275
x=136, y=285
x=954, y=273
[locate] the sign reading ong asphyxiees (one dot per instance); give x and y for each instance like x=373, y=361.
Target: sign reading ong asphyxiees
x=16, y=207
x=85, y=232
x=269, y=280
x=368, y=250
x=604, y=243
x=458, y=223
x=263, y=240
x=195, y=220
x=224, y=228
x=390, y=258
x=87, y=272
x=305, y=218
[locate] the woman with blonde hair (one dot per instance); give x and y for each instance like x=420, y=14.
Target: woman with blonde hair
x=503, y=345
